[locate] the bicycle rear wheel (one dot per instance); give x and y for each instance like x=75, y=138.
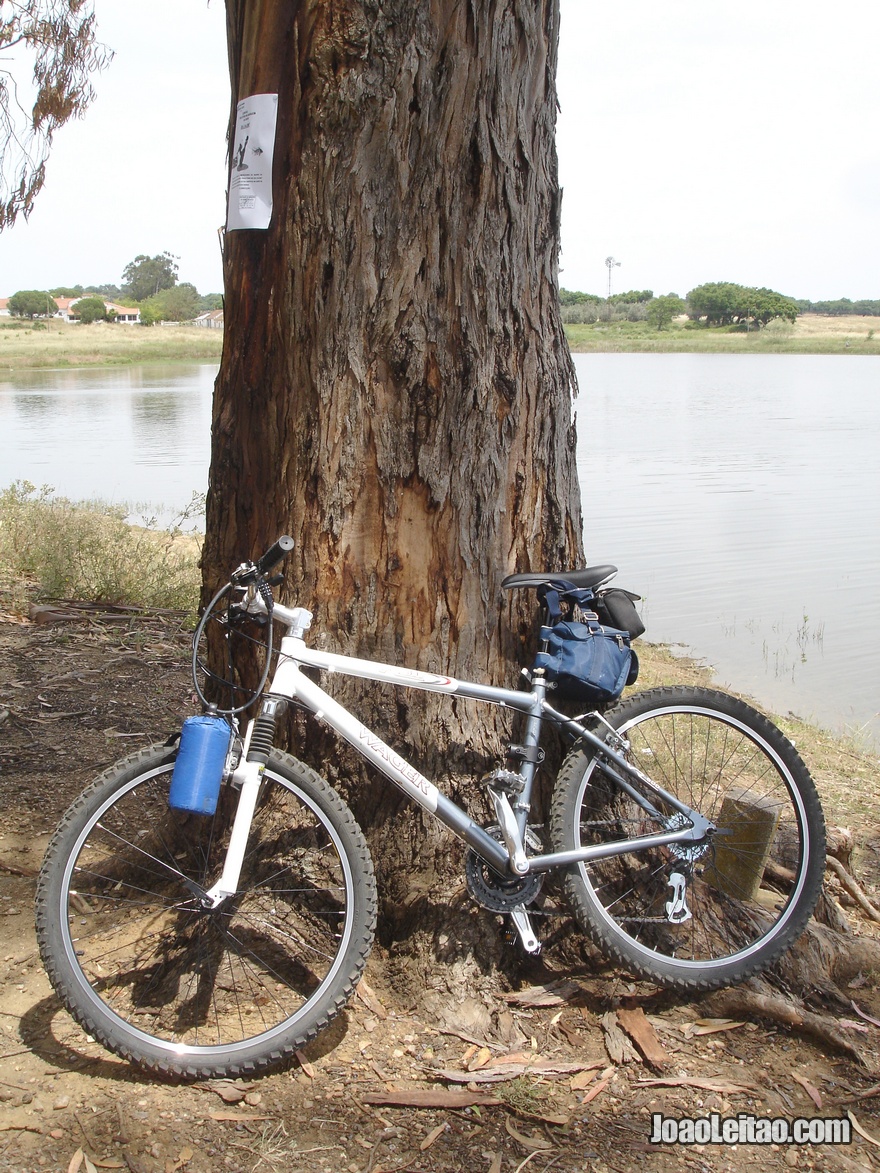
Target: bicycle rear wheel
x=181, y=989
x=703, y=915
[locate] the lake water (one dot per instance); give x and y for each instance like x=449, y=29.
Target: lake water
x=738, y=494
x=140, y=434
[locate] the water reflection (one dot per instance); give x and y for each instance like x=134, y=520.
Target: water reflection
x=125, y=434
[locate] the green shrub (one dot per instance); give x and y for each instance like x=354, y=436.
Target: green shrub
x=86, y=550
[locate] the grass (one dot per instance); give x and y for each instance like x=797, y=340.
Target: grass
x=810, y=334
x=32, y=346
x=52, y=548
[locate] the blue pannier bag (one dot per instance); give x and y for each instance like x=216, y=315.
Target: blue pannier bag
x=586, y=662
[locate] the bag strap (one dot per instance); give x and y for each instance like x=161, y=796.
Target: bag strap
x=551, y=592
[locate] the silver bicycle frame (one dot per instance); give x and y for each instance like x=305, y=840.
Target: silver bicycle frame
x=508, y=858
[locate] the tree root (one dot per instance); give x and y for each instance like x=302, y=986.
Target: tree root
x=853, y=887
x=748, y=1002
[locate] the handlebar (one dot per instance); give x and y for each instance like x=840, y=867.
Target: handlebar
x=250, y=572
x=274, y=555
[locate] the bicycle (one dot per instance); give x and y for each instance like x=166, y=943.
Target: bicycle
x=687, y=830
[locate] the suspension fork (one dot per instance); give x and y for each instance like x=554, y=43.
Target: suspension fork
x=247, y=779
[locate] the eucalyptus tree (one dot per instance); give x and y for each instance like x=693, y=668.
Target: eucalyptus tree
x=48, y=53
x=395, y=387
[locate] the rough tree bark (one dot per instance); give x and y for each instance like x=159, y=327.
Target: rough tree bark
x=395, y=389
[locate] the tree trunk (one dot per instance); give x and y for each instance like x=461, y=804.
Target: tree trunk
x=395, y=389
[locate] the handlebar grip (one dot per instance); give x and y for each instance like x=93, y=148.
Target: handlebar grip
x=274, y=555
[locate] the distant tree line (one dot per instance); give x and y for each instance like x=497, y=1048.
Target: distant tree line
x=714, y=304
x=843, y=305
x=635, y=305
x=150, y=283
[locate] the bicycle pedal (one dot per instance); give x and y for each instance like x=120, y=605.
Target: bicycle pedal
x=504, y=781
x=523, y=925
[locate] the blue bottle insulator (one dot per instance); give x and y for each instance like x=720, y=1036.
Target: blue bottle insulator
x=198, y=770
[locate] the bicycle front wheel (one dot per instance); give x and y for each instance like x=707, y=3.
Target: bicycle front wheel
x=694, y=916
x=173, y=986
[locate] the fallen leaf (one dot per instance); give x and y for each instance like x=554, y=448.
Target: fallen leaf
x=851, y=1025
x=535, y=1144
x=479, y=1060
x=432, y=1136
x=596, y=1090
x=495, y=1167
x=76, y=1161
x=560, y=1119
x=867, y=1136
x=711, y=1026
x=589, y=1073
x=506, y=1071
x=308, y=1069
x=867, y=1017
x=432, y=1098
x=109, y=1164
x=604, y=1079
x=814, y=1094
x=706, y=1085
x=237, y=1116
x=229, y=1093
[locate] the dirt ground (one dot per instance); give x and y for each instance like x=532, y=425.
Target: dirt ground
x=562, y=1074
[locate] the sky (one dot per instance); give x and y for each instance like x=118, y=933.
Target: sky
x=697, y=142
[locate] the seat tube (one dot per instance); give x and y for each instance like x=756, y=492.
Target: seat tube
x=530, y=741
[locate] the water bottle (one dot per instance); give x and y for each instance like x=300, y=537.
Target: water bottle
x=198, y=770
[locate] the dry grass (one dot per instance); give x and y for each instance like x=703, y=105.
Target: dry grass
x=847, y=326
x=61, y=344
x=53, y=548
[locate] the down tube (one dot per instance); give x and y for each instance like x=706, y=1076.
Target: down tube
x=289, y=681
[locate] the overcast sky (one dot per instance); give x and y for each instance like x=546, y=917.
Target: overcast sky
x=697, y=142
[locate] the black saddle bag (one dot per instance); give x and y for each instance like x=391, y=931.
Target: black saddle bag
x=616, y=608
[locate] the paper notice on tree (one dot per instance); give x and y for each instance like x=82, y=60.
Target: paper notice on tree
x=250, y=178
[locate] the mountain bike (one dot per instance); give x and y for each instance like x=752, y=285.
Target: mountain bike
x=685, y=827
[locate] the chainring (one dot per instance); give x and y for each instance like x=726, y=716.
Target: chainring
x=490, y=890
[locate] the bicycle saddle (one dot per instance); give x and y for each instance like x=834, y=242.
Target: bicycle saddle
x=589, y=576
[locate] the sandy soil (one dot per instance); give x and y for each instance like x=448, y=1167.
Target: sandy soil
x=394, y=1085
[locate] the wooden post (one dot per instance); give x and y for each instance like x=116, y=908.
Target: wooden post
x=747, y=826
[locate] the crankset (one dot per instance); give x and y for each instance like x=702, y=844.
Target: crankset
x=500, y=893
